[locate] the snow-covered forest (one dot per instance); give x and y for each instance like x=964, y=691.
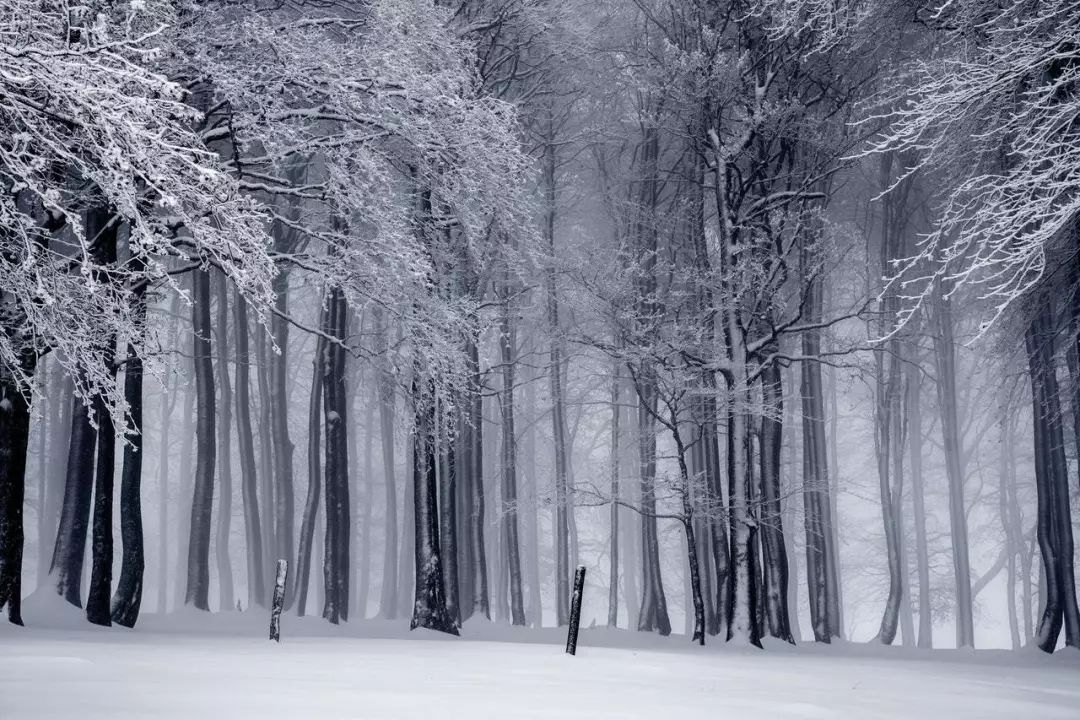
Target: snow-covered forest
x=764, y=312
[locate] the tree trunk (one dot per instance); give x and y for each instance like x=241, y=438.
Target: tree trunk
x=429, y=607
x=509, y=519
x=945, y=361
x=314, y=462
x=266, y=457
x=14, y=438
x=477, y=553
x=128, y=598
x=915, y=435
x=198, y=566
x=224, y=452
x=70, y=548
x=279, y=418
x=1054, y=522
x=248, y=480
x=448, y=471
x=613, y=537
x=336, y=562
x=774, y=551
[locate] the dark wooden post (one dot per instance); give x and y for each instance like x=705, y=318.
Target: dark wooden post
x=279, y=600
x=575, y=610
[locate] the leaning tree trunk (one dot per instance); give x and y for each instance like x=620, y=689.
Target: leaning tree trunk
x=127, y=600
x=266, y=459
x=198, y=565
x=70, y=548
x=314, y=488
x=248, y=480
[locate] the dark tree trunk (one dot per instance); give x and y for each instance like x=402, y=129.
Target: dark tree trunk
x=98, y=609
x=1053, y=521
x=335, y=406
x=774, y=552
x=198, y=565
x=70, y=548
x=653, y=614
x=448, y=472
x=477, y=553
x=128, y=598
x=14, y=438
x=248, y=480
x=314, y=462
x=224, y=452
x=429, y=606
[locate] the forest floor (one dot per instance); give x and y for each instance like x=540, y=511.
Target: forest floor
x=202, y=667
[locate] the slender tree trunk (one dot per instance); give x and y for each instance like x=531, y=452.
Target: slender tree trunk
x=314, y=462
x=164, y=465
x=266, y=458
x=653, y=614
x=509, y=519
x=224, y=452
x=448, y=472
x=944, y=356
x=198, y=566
x=279, y=418
x=478, y=554
x=367, y=500
x=613, y=538
x=915, y=435
x=248, y=481
x=1006, y=475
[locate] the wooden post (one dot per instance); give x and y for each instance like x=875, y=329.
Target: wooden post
x=575, y=610
x=279, y=600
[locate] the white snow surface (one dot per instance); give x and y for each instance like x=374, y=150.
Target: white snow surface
x=195, y=666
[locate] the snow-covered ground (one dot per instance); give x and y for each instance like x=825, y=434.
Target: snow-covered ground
x=199, y=667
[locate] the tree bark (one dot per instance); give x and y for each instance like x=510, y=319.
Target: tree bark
x=314, y=462
x=70, y=548
x=429, y=607
x=253, y=535
x=336, y=563
x=226, y=593
x=127, y=600
x=945, y=361
x=14, y=438
x=509, y=519
x=198, y=566
x=922, y=553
